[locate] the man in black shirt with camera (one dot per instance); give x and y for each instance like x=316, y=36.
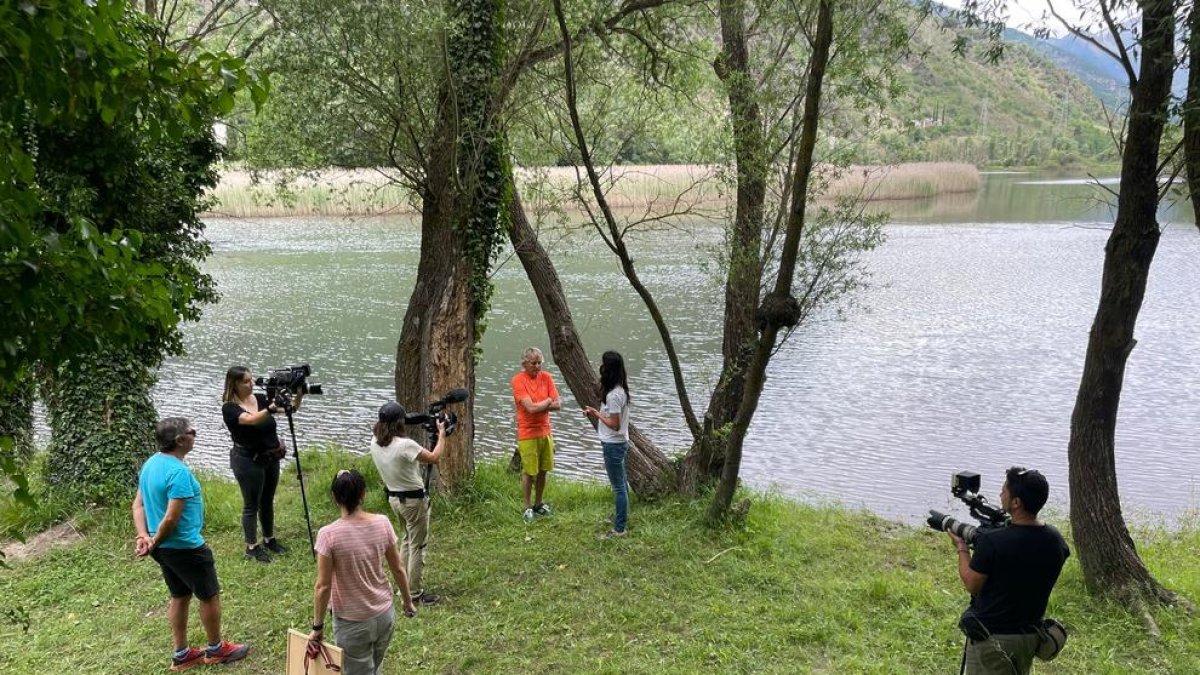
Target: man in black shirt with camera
x=1010, y=577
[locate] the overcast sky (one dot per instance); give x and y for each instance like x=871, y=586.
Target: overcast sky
x=1026, y=15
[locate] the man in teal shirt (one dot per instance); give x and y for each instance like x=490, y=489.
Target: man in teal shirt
x=168, y=513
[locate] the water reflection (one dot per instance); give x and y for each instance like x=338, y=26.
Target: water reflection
x=966, y=354
x=1029, y=198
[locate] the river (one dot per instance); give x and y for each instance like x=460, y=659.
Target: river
x=963, y=353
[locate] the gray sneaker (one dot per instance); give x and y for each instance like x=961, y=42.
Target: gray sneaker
x=529, y=515
x=542, y=510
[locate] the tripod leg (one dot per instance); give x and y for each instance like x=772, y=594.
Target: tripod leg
x=312, y=543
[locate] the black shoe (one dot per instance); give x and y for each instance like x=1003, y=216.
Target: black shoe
x=275, y=547
x=542, y=510
x=425, y=598
x=258, y=553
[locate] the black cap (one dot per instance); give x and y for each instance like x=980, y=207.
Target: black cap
x=391, y=412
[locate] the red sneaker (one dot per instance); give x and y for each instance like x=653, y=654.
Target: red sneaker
x=228, y=652
x=194, y=657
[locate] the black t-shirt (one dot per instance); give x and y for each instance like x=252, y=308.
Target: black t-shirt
x=253, y=437
x=1022, y=563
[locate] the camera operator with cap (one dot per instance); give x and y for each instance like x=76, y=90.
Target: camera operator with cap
x=1010, y=577
x=399, y=460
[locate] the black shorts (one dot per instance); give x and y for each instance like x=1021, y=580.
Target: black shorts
x=188, y=571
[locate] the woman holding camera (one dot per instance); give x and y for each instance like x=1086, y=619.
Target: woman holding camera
x=399, y=461
x=612, y=426
x=350, y=556
x=254, y=458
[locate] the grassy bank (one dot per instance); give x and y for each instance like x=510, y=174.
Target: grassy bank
x=798, y=589
x=368, y=192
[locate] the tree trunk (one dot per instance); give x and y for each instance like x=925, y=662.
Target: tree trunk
x=101, y=423
x=1106, y=552
x=779, y=309
x=1191, y=113
x=437, y=338
x=649, y=470
x=461, y=200
x=742, y=285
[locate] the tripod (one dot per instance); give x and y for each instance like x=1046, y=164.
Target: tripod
x=312, y=544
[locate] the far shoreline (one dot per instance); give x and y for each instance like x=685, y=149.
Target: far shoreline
x=370, y=192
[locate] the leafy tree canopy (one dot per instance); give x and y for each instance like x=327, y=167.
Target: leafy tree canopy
x=105, y=149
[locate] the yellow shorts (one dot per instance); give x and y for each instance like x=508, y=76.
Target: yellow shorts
x=537, y=454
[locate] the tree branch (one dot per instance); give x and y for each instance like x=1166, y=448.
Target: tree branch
x=619, y=244
x=1122, y=57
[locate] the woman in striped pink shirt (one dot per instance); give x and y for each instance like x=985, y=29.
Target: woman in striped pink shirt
x=350, y=555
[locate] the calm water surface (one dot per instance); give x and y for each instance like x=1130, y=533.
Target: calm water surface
x=965, y=353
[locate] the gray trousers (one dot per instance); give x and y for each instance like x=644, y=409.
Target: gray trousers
x=364, y=643
x=1006, y=654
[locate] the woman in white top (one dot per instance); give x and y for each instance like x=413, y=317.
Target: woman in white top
x=399, y=461
x=612, y=426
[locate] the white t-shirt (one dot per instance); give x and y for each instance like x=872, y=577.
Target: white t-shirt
x=616, y=403
x=397, y=464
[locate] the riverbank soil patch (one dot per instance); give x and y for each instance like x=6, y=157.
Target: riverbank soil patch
x=59, y=535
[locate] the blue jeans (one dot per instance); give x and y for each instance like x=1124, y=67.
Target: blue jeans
x=614, y=464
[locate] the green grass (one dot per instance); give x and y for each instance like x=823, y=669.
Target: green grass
x=798, y=589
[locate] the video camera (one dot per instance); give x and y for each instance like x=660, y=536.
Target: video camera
x=428, y=420
x=284, y=384
x=965, y=486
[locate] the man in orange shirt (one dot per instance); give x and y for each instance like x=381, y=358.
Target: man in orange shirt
x=535, y=396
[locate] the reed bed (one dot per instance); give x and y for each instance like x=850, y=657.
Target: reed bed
x=364, y=192
x=918, y=180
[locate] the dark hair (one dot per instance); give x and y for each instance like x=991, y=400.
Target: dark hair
x=168, y=431
x=385, y=431
x=1030, y=486
x=612, y=375
x=348, y=489
x=232, y=377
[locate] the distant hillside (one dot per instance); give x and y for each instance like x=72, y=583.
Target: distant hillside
x=1099, y=71
x=1024, y=110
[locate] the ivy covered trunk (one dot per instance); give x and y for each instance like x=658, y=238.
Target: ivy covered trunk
x=16, y=425
x=650, y=472
x=705, y=459
x=462, y=199
x=1106, y=552
x=101, y=423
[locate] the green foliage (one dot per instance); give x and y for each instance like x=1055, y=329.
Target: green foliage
x=105, y=149
x=16, y=426
x=101, y=423
x=355, y=84
x=1018, y=110
x=46, y=507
